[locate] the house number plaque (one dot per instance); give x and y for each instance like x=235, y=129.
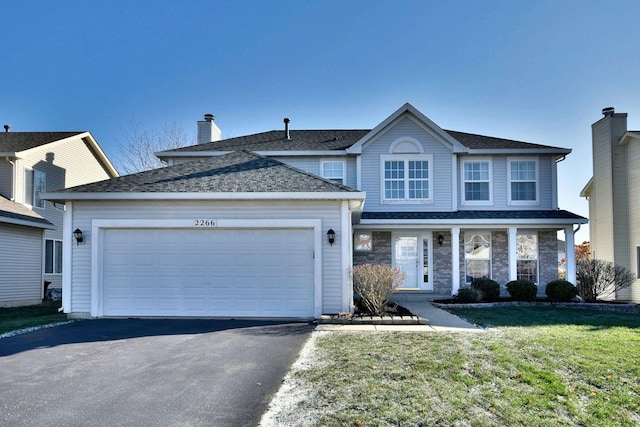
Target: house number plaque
x=204, y=222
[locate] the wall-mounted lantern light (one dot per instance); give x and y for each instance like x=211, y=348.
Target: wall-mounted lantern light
x=78, y=236
x=440, y=239
x=331, y=236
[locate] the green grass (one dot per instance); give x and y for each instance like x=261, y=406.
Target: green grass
x=537, y=366
x=15, y=318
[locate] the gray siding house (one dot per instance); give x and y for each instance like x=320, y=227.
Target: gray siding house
x=614, y=196
x=267, y=225
x=31, y=228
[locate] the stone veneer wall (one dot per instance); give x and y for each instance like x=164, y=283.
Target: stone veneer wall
x=380, y=253
x=500, y=257
x=548, y=259
x=442, y=271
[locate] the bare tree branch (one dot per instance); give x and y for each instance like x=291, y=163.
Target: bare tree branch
x=136, y=153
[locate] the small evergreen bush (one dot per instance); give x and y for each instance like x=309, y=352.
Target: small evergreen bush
x=522, y=290
x=488, y=289
x=466, y=295
x=561, y=291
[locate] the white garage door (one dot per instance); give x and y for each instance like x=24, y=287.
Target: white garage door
x=195, y=272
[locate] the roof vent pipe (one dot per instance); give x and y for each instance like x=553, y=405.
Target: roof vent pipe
x=7, y=128
x=287, y=135
x=608, y=111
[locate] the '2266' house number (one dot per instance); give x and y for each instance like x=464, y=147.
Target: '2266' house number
x=204, y=222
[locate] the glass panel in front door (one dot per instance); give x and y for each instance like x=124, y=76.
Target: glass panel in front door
x=425, y=260
x=406, y=251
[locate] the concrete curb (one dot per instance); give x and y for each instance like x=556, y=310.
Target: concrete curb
x=371, y=320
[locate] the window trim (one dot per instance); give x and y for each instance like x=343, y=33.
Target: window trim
x=406, y=158
x=464, y=252
x=536, y=259
x=463, y=192
x=510, y=161
x=54, y=258
x=344, y=170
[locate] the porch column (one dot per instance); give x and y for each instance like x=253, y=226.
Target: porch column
x=570, y=254
x=513, y=258
x=455, y=260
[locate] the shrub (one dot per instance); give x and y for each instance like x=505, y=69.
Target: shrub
x=599, y=279
x=375, y=284
x=522, y=290
x=468, y=295
x=488, y=289
x=561, y=291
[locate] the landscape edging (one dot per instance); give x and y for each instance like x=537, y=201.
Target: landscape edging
x=619, y=308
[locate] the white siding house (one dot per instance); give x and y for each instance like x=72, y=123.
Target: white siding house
x=32, y=163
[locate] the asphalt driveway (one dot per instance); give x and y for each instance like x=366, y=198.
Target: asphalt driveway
x=146, y=372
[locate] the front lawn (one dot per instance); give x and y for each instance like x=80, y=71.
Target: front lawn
x=14, y=318
x=536, y=366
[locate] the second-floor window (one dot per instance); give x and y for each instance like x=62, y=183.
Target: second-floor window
x=407, y=179
x=333, y=170
x=523, y=181
x=477, y=181
x=35, y=183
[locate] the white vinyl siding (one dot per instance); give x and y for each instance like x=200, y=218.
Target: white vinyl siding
x=333, y=270
x=66, y=164
x=6, y=179
x=21, y=280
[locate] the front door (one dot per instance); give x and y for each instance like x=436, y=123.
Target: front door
x=412, y=253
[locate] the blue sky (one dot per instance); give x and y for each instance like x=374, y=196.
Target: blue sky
x=538, y=71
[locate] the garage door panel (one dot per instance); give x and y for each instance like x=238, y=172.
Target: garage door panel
x=185, y=272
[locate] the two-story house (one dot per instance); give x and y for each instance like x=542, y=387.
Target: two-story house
x=269, y=224
x=614, y=196
x=32, y=163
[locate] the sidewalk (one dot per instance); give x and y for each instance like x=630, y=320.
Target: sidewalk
x=419, y=304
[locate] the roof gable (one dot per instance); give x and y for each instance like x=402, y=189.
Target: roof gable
x=422, y=120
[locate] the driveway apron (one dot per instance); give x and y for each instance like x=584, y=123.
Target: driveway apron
x=146, y=372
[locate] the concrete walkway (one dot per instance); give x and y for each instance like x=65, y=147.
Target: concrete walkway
x=420, y=305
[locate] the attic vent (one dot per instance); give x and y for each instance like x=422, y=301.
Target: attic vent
x=287, y=135
x=7, y=128
x=608, y=111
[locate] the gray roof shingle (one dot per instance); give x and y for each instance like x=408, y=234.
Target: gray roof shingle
x=236, y=172
x=303, y=140
x=320, y=140
x=9, y=209
x=13, y=142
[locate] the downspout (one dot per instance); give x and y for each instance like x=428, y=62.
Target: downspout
x=13, y=184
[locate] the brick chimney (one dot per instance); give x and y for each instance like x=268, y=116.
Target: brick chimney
x=208, y=131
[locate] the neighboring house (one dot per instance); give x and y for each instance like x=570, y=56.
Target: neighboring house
x=32, y=163
x=240, y=227
x=614, y=196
